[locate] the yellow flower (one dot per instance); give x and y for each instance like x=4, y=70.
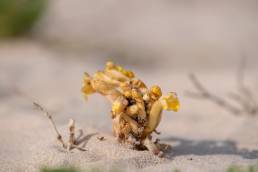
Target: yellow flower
x=87, y=88
x=110, y=65
x=171, y=102
x=156, y=91
x=117, y=107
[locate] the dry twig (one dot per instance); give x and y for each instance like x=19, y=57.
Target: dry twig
x=244, y=97
x=205, y=94
x=59, y=136
x=250, y=105
x=72, y=142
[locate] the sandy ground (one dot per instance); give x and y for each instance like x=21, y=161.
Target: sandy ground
x=203, y=137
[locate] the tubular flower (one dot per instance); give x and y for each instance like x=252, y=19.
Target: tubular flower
x=136, y=110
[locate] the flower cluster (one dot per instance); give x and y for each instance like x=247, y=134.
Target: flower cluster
x=136, y=109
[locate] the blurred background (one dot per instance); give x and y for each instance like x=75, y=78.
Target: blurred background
x=45, y=46
x=177, y=34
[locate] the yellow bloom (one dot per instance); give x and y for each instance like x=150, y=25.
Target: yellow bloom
x=171, y=102
x=156, y=91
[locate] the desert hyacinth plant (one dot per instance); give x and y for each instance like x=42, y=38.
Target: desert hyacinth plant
x=136, y=109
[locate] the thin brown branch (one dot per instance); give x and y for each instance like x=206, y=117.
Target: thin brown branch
x=205, y=94
x=246, y=106
x=47, y=114
x=78, y=147
x=238, y=98
x=72, y=142
x=251, y=105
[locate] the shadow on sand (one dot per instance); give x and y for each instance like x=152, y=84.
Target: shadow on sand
x=207, y=147
x=84, y=140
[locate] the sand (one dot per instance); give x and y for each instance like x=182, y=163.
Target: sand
x=203, y=136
